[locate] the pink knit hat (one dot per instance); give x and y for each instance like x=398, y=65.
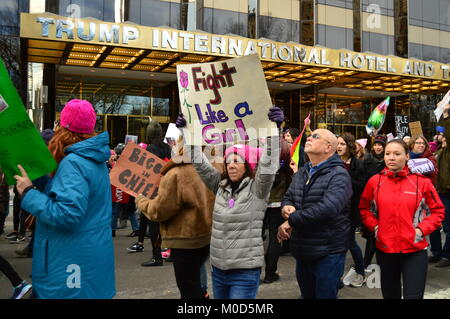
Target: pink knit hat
x=249, y=154
x=78, y=116
x=362, y=142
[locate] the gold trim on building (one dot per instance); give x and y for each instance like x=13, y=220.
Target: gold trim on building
x=94, y=43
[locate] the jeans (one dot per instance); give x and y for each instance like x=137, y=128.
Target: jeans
x=274, y=220
x=356, y=254
x=435, y=238
x=187, y=264
x=320, y=278
x=235, y=283
x=412, y=267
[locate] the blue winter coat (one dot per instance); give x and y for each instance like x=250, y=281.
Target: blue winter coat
x=321, y=223
x=73, y=254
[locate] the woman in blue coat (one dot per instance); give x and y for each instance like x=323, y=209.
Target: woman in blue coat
x=73, y=255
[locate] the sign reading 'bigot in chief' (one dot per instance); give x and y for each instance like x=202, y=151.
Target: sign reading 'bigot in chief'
x=137, y=172
x=225, y=102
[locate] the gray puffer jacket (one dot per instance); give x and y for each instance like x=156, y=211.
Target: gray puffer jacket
x=236, y=241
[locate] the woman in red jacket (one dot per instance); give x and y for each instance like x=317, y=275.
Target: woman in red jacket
x=401, y=208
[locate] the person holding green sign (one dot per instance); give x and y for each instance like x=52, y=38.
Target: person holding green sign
x=73, y=254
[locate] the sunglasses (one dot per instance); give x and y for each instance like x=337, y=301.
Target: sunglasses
x=315, y=136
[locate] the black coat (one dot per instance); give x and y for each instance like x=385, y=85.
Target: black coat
x=361, y=170
x=321, y=224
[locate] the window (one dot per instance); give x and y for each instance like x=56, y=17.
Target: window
x=223, y=17
x=279, y=20
x=378, y=43
x=334, y=37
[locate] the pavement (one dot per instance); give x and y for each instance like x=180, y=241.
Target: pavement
x=136, y=282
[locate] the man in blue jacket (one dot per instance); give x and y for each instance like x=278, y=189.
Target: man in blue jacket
x=317, y=209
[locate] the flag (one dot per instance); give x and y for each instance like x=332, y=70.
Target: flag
x=295, y=149
x=376, y=119
x=20, y=141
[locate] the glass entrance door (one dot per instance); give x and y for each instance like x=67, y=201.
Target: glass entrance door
x=117, y=128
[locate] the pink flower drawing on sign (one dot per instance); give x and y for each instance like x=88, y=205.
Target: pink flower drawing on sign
x=184, y=82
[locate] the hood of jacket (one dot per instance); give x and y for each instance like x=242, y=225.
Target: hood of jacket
x=95, y=148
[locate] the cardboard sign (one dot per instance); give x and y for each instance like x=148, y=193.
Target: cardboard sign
x=226, y=101
x=416, y=128
x=401, y=125
x=137, y=172
x=20, y=141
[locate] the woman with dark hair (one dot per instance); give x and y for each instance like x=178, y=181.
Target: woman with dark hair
x=291, y=135
x=401, y=208
x=73, y=254
x=347, y=150
x=419, y=148
x=242, y=193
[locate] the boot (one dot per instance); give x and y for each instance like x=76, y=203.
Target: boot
x=156, y=260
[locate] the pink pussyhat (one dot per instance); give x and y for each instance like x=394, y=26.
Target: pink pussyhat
x=362, y=142
x=78, y=116
x=249, y=154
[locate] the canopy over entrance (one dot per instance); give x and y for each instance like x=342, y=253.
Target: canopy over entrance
x=93, y=43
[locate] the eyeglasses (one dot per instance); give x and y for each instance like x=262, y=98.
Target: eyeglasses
x=420, y=143
x=315, y=136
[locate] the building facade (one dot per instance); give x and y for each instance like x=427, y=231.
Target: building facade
x=334, y=58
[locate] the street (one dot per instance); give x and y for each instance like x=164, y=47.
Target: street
x=136, y=282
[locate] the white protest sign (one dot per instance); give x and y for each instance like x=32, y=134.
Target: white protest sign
x=225, y=101
x=172, y=134
x=440, y=106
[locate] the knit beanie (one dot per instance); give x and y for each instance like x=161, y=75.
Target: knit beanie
x=47, y=135
x=78, y=116
x=250, y=155
x=362, y=142
x=380, y=139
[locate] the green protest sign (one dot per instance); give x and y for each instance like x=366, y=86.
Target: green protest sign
x=20, y=141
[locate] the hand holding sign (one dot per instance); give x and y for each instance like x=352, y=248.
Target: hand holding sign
x=22, y=181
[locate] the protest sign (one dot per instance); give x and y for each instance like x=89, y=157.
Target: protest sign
x=401, y=125
x=225, y=101
x=20, y=141
x=440, y=106
x=416, y=128
x=137, y=172
x=172, y=134
x=131, y=138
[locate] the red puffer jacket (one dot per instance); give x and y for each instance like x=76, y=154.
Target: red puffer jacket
x=399, y=203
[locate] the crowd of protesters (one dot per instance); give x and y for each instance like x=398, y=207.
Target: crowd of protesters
x=395, y=194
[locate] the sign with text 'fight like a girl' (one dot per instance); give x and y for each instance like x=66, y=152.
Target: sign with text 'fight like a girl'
x=225, y=102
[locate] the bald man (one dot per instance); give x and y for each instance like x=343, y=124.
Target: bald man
x=317, y=209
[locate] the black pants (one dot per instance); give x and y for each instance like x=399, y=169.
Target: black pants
x=412, y=268
x=9, y=272
x=186, y=264
x=155, y=236
x=274, y=220
x=370, y=249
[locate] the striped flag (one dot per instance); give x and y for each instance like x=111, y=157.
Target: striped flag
x=295, y=149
